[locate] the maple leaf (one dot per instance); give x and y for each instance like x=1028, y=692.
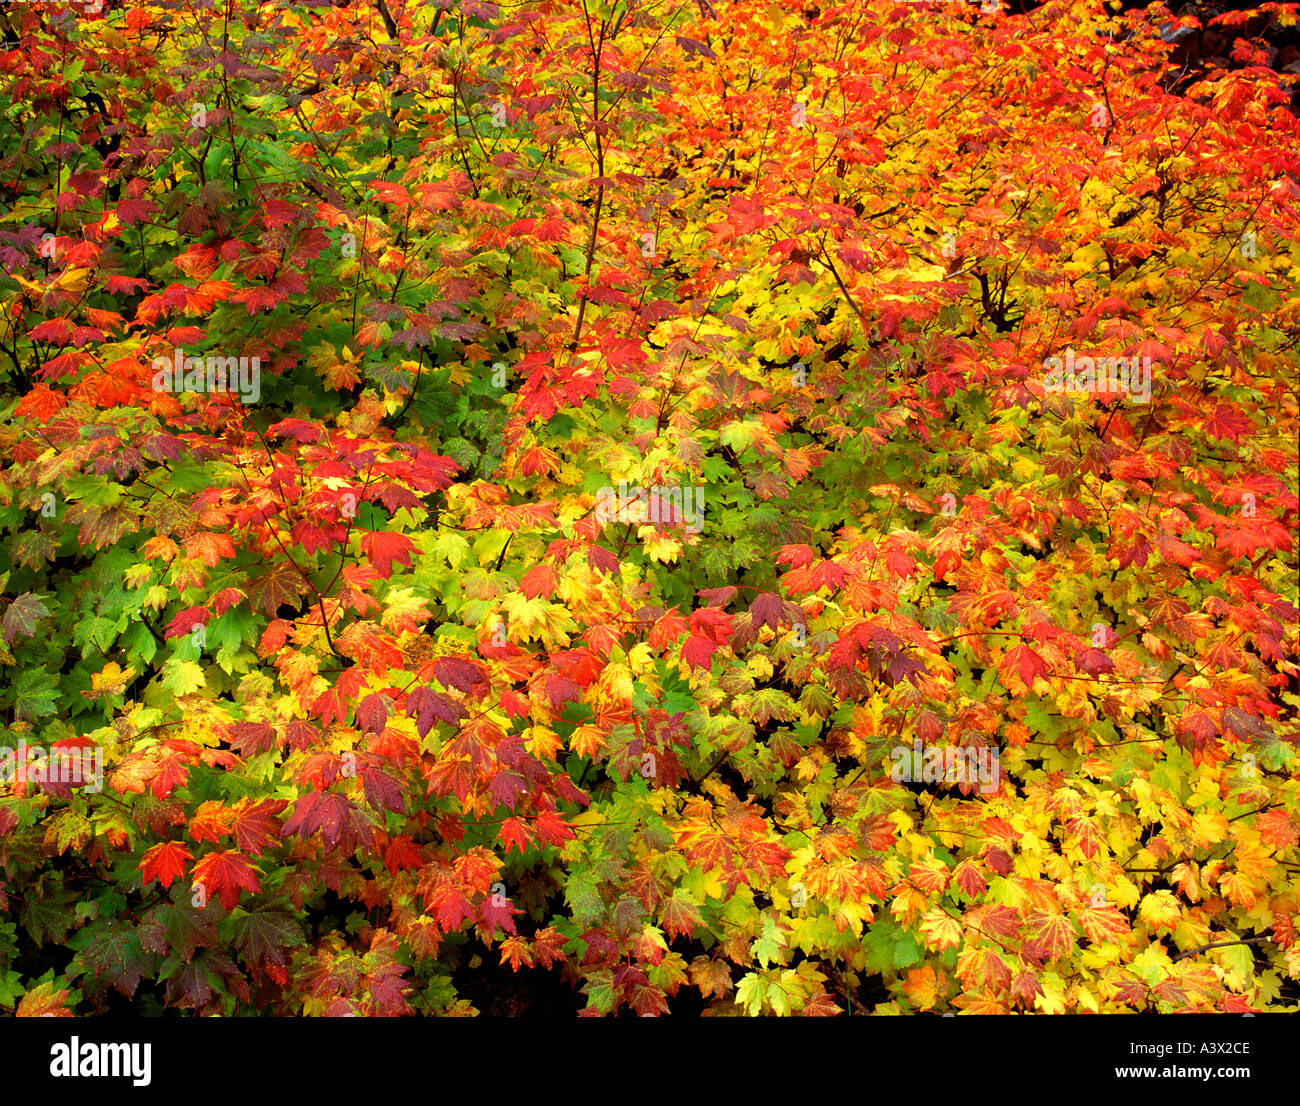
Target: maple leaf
x=210, y=822
x=1278, y=829
x=1000, y=921
x=164, y=862
x=1023, y=665
x=372, y=713
x=458, y=672
x=41, y=403
x=968, y=878
x=383, y=548
x=1103, y=924
x=680, y=915
x=331, y=815
x=940, y=930
x=281, y=586
x=1227, y=421
x=226, y=873
x=251, y=738
x=257, y=300
x=766, y=610
x=540, y=580
x=265, y=935
x=698, y=651
x=551, y=827
x=1026, y=988
x=515, y=952
x=185, y=622
x=387, y=192
x=21, y=616
x=1049, y=936
x=924, y=987
x=506, y=787
x=210, y=548
x=449, y=908
x=515, y=833
x=796, y=556
x=427, y=706
x=44, y=1001
x=402, y=853
x=1094, y=662
x=382, y=791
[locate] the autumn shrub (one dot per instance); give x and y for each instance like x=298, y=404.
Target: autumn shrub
x=565, y=507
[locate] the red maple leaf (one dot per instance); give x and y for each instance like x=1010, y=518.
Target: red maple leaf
x=458, y=672
x=515, y=833
x=186, y=620
x=1024, y=663
x=165, y=862
x=258, y=298
x=449, y=907
x=796, y=556
x=698, y=651
x=539, y=580
x=766, y=610
x=1227, y=421
x=552, y=828
x=402, y=853
x=372, y=713
x=41, y=402
x=227, y=873
x=211, y=822
x=255, y=824
x=384, y=547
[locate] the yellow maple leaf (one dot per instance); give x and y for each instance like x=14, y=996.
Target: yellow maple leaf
x=1052, y=1000
x=542, y=742
x=1240, y=889
x=72, y=280
x=587, y=741
x=1160, y=910
x=851, y=914
x=664, y=550
x=907, y=904
x=110, y=680
x=616, y=683
x=923, y=987
x=939, y=930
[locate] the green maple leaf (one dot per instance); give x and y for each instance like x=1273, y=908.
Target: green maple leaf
x=228, y=634
x=769, y=946
x=264, y=932
x=599, y=989
x=36, y=693
x=751, y=992
x=906, y=951
x=48, y=918
x=1040, y=719
x=583, y=896
x=11, y=988
x=181, y=677
x=879, y=946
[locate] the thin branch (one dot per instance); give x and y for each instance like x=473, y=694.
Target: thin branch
x=1223, y=944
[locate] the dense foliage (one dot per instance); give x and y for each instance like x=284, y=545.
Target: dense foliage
x=404, y=702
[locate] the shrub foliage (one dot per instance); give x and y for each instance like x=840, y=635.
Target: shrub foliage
x=534, y=507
